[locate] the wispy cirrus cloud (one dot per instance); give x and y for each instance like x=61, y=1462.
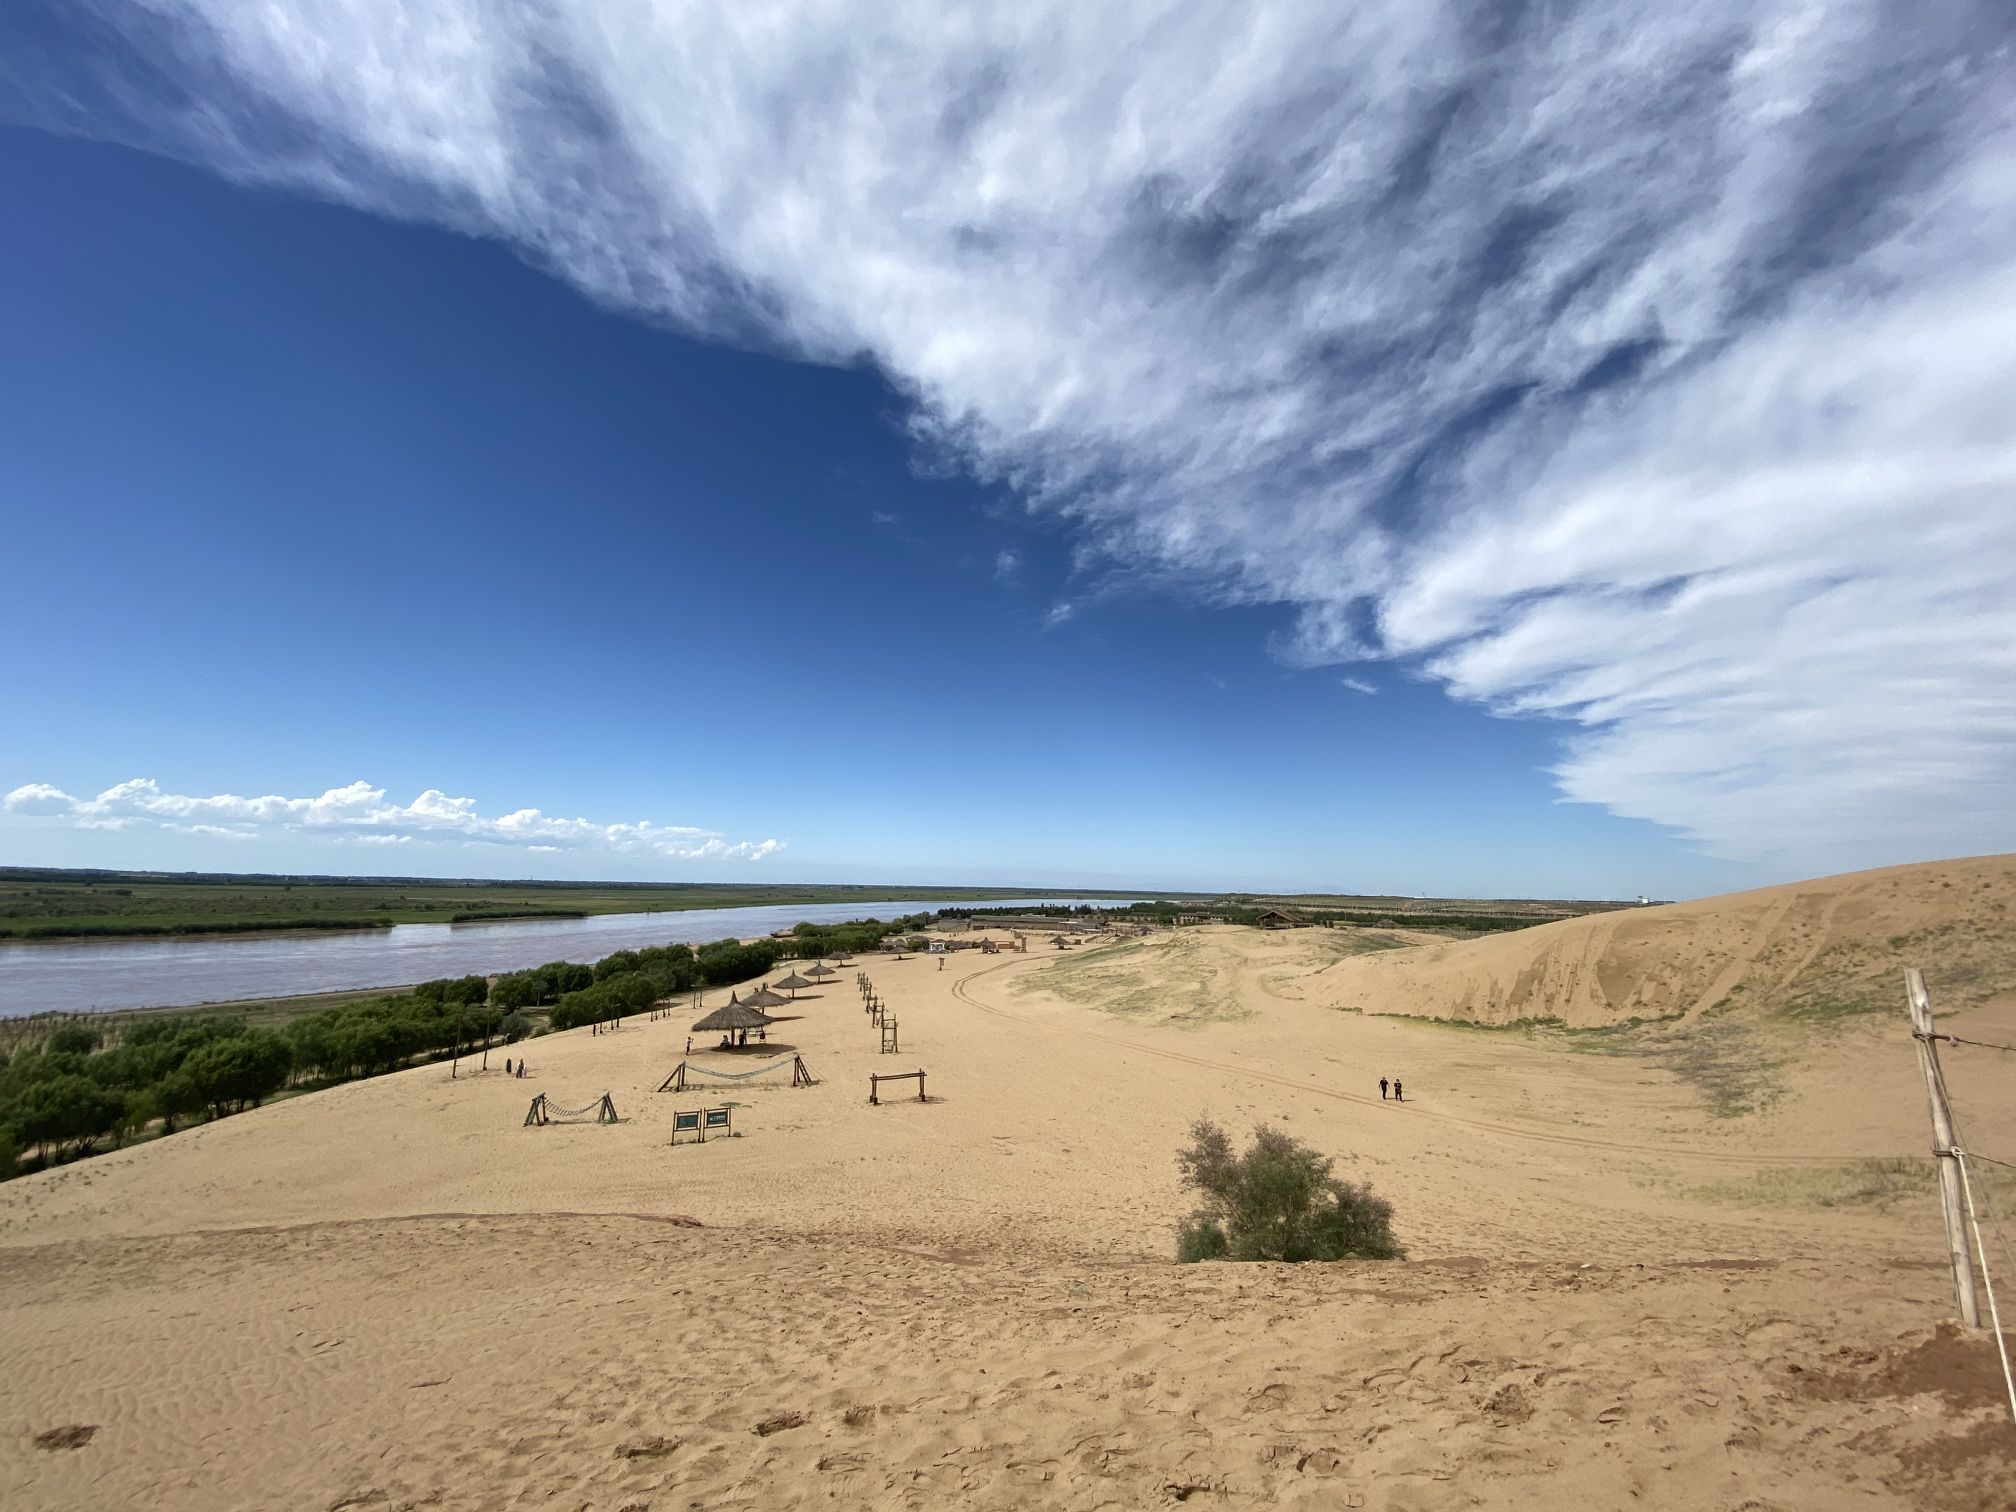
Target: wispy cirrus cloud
x=365, y=815
x=1644, y=370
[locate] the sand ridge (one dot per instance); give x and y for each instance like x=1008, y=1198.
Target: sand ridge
x=1832, y=947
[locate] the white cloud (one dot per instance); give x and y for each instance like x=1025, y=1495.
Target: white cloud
x=1647, y=369
x=363, y=814
x=1059, y=613
x=1358, y=685
x=1007, y=563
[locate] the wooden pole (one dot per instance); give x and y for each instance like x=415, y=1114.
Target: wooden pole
x=1952, y=1204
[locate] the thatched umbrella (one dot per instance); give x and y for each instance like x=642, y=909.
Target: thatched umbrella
x=793, y=982
x=819, y=971
x=734, y=1017
x=763, y=997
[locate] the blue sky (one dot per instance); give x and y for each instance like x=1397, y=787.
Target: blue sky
x=447, y=439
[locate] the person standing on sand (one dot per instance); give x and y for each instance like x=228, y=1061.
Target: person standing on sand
x=507, y=1065
x=1396, y=1090
x=689, y=1044
x=1382, y=1089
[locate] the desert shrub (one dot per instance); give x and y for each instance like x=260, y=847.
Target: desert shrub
x=1278, y=1201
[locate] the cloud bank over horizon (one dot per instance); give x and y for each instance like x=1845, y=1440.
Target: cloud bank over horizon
x=1648, y=372
x=363, y=814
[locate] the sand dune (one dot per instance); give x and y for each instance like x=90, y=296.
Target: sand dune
x=392, y=1295
x=1819, y=949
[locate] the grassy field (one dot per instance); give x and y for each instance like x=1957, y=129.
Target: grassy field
x=71, y=904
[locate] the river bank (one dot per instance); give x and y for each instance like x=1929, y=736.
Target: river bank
x=97, y=976
x=53, y=904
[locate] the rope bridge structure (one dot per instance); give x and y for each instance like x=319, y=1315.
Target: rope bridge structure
x=544, y=1111
x=680, y=1079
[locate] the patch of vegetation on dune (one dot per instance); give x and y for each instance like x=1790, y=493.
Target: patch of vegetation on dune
x=1876, y=1184
x=1170, y=979
x=1966, y=960
x=1734, y=1067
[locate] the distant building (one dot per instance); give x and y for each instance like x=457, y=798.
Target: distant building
x=1039, y=923
x=1281, y=918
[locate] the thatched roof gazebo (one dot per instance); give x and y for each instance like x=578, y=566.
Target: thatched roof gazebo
x=763, y=997
x=733, y=1018
x=793, y=982
x=819, y=971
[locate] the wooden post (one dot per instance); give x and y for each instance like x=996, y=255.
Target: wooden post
x=1951, y=1203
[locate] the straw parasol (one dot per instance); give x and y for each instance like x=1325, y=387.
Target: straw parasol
x=733, y=1017
x=793, y=982
x=763, y=997
x=819, y=971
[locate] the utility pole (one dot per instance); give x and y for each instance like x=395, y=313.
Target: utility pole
x=1950, y=1201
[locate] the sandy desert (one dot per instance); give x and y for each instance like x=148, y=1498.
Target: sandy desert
x=1672, y=1229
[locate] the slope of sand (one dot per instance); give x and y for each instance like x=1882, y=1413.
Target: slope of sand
x=392, y=1295
x=1820, y=949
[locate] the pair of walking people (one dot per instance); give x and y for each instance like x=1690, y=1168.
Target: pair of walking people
x=1395, y=1084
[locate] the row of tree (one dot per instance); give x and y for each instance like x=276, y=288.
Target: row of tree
x=84, y=1085
x=77, y=1091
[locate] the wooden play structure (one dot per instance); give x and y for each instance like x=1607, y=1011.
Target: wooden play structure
x=543, y=1112
x=875, y=1084
x=679, y=1081
x=700, y=1121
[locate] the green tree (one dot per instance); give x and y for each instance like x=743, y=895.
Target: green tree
x=140, y=1109
x=619, y=964
x=514, y=990
x=176, y=1098
x=566, y=976
x=67, y=1110
x=73, y=1039
x=1278, y=1201
x=238, y=1073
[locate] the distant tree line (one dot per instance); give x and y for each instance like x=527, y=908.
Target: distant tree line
x=478, y=915
x=1162, y=911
